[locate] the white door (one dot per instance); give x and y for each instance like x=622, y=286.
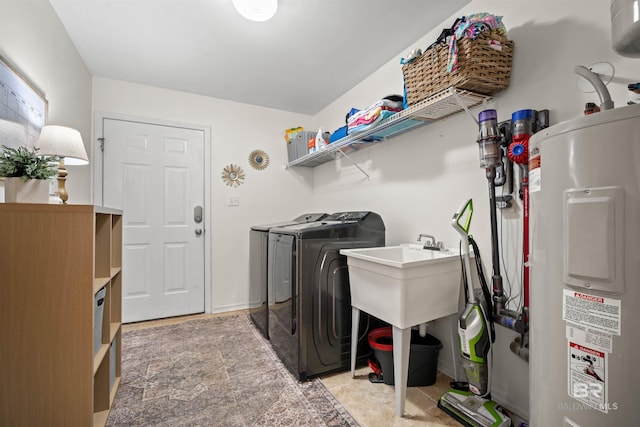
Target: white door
x=155, y=173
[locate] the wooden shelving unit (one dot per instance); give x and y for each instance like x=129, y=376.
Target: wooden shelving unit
x=55, y=260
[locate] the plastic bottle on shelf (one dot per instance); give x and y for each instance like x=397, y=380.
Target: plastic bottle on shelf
x=321, y=143
x=311, y=144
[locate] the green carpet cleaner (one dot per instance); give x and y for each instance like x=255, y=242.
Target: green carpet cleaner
x=470, y=402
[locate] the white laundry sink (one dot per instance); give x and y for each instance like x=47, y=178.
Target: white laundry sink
x=404, y=285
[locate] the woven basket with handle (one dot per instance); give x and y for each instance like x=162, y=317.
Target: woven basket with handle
x=481, y=67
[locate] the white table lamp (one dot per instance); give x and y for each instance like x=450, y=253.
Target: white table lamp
x=67, y=144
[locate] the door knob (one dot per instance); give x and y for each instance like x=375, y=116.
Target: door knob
x=198, y=231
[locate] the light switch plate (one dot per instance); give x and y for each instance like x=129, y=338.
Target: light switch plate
x=233, y=200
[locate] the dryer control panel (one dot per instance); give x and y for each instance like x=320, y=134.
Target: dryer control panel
x=347, y=216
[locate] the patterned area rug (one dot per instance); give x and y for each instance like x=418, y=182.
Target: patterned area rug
x=215, y=372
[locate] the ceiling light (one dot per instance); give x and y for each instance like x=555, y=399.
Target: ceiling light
x=256, y=10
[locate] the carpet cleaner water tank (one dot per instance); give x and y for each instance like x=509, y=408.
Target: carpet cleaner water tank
x=625, y=27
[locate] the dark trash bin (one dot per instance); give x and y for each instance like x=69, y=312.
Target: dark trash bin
x=423, y=356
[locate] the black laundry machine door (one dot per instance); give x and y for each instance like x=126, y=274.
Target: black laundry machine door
x=282, y=295
x=310, y=325
x=327, y=316
x=325, y=298
x=258, y=268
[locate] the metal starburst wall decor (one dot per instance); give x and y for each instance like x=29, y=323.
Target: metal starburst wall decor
x=232, y=175
x=258, y=159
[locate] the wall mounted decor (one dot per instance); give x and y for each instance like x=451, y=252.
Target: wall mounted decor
x=23, y=108
x=258, y=159
x=232, y=175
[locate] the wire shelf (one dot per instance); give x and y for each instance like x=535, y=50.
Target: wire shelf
x=438, y=106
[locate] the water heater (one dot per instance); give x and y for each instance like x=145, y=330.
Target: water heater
x=584, y=183
x=625, y=27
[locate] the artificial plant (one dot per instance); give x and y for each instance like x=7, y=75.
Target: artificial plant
x=26, y=164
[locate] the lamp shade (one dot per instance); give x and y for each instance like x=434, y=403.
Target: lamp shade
x=64, y=142
x=256, y=10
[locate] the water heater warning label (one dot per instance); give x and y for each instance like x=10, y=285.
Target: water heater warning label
x=587, y=376
x=591, y=337
x=591, y=310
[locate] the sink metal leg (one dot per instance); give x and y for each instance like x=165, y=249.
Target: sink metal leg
x=401, y=349
x=355, y=321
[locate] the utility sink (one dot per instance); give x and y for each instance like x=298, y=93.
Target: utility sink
x=404, y=285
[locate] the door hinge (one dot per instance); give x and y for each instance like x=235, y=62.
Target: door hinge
x=101, y=144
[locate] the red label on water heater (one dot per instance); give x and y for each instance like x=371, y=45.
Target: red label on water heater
x=587, y=376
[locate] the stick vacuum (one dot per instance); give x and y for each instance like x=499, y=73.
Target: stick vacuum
x=471, y=405
x=473, y=326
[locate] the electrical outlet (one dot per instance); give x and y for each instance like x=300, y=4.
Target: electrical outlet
x=233, y=200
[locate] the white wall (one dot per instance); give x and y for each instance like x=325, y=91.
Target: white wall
x=33, y=39
x=418, y=180
x=266, y=196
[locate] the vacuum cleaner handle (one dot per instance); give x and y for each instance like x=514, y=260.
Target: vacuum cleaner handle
x=463, y=214
x=461, y=222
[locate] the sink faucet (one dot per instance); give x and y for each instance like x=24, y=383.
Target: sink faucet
x=430, y=242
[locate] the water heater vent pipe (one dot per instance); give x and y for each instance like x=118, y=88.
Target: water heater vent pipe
x=605, y=98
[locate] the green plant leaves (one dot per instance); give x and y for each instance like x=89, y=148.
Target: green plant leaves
x=25, y=163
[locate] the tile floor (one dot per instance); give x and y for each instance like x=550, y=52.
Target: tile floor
x=372, y=405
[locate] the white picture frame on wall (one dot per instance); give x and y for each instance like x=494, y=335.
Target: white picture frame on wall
x=21, y=102
x=23, y=108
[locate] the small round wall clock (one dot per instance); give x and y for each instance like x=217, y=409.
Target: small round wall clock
x=258, y=159
x=232, y=175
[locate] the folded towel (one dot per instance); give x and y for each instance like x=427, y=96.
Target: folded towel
x=373, y=113
x=366, y=126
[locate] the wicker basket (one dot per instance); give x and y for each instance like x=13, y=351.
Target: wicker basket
x=481, y=68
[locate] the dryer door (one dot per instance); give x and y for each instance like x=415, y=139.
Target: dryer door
x=326, y=305
x=258, y=249
x=282, y=293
